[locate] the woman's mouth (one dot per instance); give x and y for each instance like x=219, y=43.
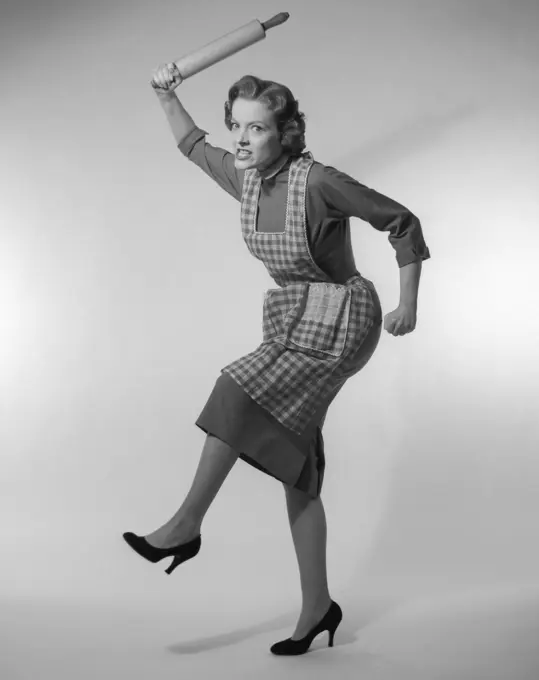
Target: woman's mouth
x=242, y=153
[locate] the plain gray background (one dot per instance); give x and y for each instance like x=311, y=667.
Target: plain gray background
x=125, y=286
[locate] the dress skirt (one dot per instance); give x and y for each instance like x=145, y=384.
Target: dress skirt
x=262, y=441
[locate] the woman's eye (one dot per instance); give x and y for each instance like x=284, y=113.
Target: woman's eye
x=256, y=127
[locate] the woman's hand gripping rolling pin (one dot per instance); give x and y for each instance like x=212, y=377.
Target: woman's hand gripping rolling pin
x=166, y=78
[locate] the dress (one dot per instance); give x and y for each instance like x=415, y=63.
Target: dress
x=319, y=327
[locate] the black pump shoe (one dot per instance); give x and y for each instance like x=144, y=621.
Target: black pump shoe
x=181, y=553
x=330, y=622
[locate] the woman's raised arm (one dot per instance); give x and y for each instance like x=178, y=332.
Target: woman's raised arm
x=166, y=79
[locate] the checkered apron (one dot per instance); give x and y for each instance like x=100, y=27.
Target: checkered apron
x=312, y=328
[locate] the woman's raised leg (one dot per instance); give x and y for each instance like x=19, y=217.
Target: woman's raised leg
x=309, y=532
x=216, y=461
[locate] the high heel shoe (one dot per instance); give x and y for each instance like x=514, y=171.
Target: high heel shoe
x=181, y=553
x=330, y=622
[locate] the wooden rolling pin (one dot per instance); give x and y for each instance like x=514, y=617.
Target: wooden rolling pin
x=228, y=44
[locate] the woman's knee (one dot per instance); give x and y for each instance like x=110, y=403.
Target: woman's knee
x=295, y=496
x=289, y=489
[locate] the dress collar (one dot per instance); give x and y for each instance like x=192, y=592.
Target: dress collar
x=282, y=165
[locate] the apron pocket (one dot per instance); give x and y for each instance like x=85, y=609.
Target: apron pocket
x=319, y=322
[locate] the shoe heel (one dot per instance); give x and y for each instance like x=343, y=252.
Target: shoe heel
x=335, y=624
x=175, y=563
x=185, y=552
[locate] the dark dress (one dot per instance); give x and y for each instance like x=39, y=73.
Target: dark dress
x=331, y=198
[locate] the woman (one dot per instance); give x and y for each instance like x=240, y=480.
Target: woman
x=320, y=325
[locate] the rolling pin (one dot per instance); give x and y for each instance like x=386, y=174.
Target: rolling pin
x=228, y=44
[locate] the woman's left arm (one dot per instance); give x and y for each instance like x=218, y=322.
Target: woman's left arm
x=343, y=194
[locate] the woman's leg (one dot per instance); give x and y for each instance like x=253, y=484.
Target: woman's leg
x=215, y=463
x=309, y=532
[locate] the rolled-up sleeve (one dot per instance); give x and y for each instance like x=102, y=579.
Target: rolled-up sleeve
x=217, y=163
x=347, y=196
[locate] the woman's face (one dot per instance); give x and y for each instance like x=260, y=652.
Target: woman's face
x=254, y=129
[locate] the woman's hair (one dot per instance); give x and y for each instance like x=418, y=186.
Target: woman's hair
x=280, y=100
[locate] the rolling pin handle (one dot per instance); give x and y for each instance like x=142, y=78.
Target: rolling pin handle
x=277, y=20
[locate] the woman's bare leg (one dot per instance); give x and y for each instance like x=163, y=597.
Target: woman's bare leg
x=216, y=461
x=309, y=532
